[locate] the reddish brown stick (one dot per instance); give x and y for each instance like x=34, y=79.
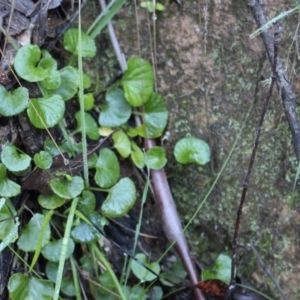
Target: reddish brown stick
x=171, y=221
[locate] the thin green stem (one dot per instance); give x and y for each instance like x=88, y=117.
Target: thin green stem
x=64, y=248
x=109, y=269
x=81, y=102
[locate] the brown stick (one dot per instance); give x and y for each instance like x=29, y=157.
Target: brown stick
x=171, y=221
x=285, y=89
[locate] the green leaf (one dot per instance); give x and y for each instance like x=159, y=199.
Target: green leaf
x=14, y=102
x=14, y=160
x=138, y=81
x=156, y=158
x=87, y=81
x=53, y=80
x=159, y=6
x=120, y=199
x=149, y=6
x=88, y=46
x=87, y=202
x=179, y=274
x=142, y=273
x=43, y=160
x=221, y=269
x=155, y=117
x=89, y=101
x=29, y=237
x=52, y=250
x=69, y=82
x=122, y=143
x=8, y=188
x=46, y=112
x=67, y=189
x=192, y=150
x=137, y=155
x=106, y=280
x=91, y=125
x=116, y=111
x=51, y=201
x=26, y=287
x=25, y=64
x=107, y=168
x=67, y=287
x=7, y=222
x=85, y=233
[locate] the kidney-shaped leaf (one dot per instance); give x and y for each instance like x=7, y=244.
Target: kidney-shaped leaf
x=13, y=103
x=52, y=250
x=69, y=83
x=86, y=233
x=138, y=81
x=155, y=117
x=8, y=188
x=107, y=168
x=137, y=155
x=120, y=199
x=7, y=222
x=27, y=287
x=192, y=150
x=25, y=64
x=46, y=112
x=156, y=158
x=91, y=125
x=14, y=160
x=142, y=273
x=29, y=237
x=116, y=111
x=43, y=159
x=51, y=201
x=122, y=143
x=67, y=189
x=88, y=46
x=220, y=270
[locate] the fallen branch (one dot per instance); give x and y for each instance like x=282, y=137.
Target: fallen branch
x=285, y=88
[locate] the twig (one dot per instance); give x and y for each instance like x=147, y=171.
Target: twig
x=285, y=89
x=171, y=221
x=268, y=272
x=257, y=136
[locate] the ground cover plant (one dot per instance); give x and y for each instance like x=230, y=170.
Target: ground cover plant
x=90, y=157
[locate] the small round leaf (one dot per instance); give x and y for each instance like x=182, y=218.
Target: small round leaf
x=155, y=117
x=138, y=81
x=107, y=168
x=53, y=249
x=27, y=287
x=88, y=46
x=43, y=160
x=116, y=111
x=14, y=160
x=29, y=237
x=156, y=158
x=142, y=273
x=91, y=125
x=67, y=189
x=13, y=103
x=51, y=201
x=192, y=150
x=46, y=112
x=122, y=143
x=8, y=188
x=120, y=199
x=25, y=64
